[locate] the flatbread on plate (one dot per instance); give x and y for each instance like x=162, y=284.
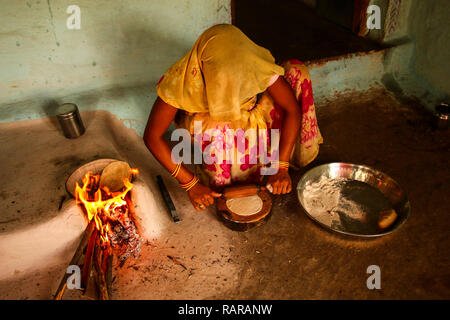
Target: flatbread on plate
x=114, y=174
x=245, y=206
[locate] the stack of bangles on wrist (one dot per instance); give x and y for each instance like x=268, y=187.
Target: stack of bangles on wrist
x=281, y=164
x=189, y=185
x=175, y=171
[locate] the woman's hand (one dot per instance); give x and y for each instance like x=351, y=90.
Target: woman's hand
x=280, y=183
x=202, y=196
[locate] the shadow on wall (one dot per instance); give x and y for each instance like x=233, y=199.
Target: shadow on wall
x=119, y=47
x=139, y=54
x=50, y=107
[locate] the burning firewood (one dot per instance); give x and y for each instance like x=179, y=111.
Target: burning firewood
x=75, y=259
x=88, y=256
x=111, y=232
x=100, y=272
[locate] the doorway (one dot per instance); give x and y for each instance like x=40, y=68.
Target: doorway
x=304, y=29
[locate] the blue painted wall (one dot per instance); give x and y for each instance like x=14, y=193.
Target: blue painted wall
x=121, y=45
x=420, y=62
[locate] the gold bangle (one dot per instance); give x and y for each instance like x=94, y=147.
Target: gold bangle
x=176, y=170
x=184, y=185
x=189, y=185
x=281, y=164
x=193, y=185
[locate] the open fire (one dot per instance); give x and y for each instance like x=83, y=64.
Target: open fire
x=112, y=214
x=111, y=232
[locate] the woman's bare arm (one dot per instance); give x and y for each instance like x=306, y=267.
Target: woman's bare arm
x=160, y=118
x=283, y=96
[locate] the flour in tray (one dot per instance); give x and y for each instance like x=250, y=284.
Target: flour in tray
x=324, y=200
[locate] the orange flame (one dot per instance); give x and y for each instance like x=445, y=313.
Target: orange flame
x=100, y=203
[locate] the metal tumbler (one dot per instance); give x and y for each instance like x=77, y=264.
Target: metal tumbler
x=70, y=120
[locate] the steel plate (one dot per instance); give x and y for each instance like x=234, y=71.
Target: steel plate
x=360, y=193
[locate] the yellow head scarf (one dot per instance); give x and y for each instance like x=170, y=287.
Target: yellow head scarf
x=222, y=73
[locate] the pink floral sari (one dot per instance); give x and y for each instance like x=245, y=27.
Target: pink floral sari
x=264, y=115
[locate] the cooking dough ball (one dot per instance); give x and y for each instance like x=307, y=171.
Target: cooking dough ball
x=245, y=206
x=386, y=218
x=114, y=174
